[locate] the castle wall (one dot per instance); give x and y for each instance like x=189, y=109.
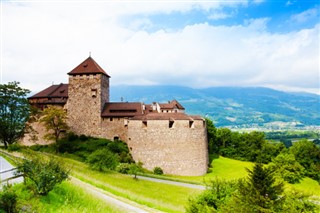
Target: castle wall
x=86, y=97
x=114, y=127
x=180, y=150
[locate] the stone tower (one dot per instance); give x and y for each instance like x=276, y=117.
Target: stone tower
x=87, y=94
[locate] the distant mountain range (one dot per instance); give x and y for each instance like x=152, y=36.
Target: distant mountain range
x=231, y=106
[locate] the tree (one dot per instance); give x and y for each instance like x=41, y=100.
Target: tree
x=260, y=192
x=286, y=166
x=54, y=120
x=14, y=112
x=211, y=135
x=43, y=174
x=135, y=168
x=308, y=155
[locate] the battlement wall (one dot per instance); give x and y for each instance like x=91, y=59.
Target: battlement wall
x=180, y=149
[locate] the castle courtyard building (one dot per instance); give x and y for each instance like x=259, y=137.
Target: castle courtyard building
x=157, y=134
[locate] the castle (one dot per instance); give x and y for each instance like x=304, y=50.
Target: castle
x=157, y=134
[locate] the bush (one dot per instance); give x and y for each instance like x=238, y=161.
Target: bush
x=43, y=174
x=14, y=147
x=8, y=199
x=103, y=160
x=157, y=171
x=83, y=137
x=123, y=168
x=217, y=194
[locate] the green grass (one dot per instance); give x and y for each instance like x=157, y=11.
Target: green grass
x=65, y=198
x=221, y=167
x=307, y=185
x=164, y=197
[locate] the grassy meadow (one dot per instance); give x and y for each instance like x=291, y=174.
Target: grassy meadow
x=163, y=197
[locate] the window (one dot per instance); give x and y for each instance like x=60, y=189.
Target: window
x=144, y=124
x=191, y=124
x=171, y=124
x=94, y=93
x=116, y=138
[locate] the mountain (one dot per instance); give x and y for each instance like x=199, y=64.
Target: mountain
x=231, y=106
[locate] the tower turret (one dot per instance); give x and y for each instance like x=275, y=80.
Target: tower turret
x=87, y=94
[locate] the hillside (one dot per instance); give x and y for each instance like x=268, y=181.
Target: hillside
x=233, y=106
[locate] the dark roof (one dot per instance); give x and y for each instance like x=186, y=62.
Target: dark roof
x=122, y=109
x=54, y=91
x=88, y=66
x=171, y=105
x=167, y=116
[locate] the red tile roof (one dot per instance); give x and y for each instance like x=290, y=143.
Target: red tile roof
x=121, y=109
x=167, y=116
x=171, y=105
x=88, y=66
x=54, y=91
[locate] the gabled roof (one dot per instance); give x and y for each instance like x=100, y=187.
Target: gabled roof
x=88, y=66
x=54, y=91
x=171, y=105
x=121, y=109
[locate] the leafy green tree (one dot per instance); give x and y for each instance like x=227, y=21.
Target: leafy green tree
x=260, y=192
x=286, y=167
x=103, y=160
x=43, y=174
x=211, y=135
x=14, y=112
x=308, y=155
x=135, y=168
x=55, y=122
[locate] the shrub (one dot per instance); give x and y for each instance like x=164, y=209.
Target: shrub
x=103, y=160
x=123, y=168
x=14, y=147
x=83, y=137
x=157, y=171
x=43, y=174
x=217, y=194
x=72, y=136
x=8, y=199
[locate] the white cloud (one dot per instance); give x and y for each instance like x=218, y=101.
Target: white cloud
x=305, y=16
x=41, y=43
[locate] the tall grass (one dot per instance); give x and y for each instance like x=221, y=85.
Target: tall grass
x=65, y=198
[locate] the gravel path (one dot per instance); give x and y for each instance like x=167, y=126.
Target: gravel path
x=188, y=185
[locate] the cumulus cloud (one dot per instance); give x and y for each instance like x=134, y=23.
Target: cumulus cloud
x=41, y=43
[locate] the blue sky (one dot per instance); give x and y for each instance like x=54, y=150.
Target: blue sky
x=189, y=43
x=282, y=16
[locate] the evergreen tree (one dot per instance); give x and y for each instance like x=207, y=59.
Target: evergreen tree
x=260, y=192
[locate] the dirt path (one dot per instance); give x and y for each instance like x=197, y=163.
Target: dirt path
x=120, y=203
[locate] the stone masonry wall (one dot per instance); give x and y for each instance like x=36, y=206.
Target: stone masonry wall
x=87, y=95
x=180, y=150
x=114, y=127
